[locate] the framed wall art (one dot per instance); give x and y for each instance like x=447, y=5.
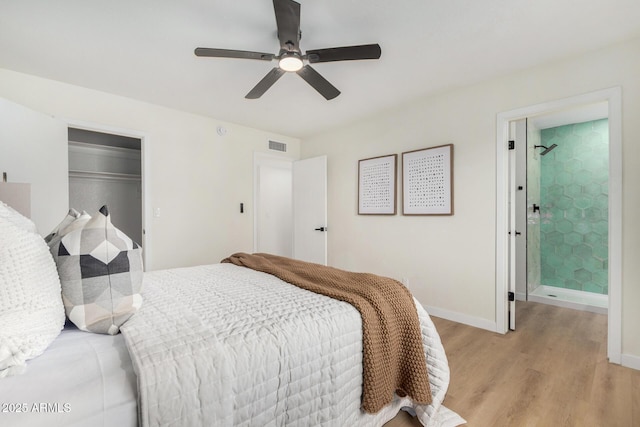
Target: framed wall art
x=377, y=185
x=427, y=181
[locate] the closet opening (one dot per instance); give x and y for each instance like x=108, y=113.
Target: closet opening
x=106, y=169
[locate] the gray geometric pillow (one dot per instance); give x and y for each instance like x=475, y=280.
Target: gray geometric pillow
x=100, y=270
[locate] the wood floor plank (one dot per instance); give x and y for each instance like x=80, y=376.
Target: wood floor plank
x=552, y=371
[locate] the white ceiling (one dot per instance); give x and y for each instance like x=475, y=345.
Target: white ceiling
x=143, y=49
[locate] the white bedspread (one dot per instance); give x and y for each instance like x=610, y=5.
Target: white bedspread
x=222, y=345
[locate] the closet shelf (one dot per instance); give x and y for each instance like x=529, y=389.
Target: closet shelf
x=111, y=176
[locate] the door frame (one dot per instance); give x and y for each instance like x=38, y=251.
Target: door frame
x=613, y=97
x=261, y=159
x=144, y=163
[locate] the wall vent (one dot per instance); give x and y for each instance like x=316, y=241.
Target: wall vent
x=278, y=146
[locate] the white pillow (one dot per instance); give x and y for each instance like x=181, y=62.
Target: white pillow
x=100, y=270
x=70, y=218
x=31, y=310
x=9, y=214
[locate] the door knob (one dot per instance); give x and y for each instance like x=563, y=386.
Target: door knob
x=321, y=229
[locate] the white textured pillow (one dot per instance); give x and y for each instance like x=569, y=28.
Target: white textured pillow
x=13, y=216
x=31, y=310
x=100, y=270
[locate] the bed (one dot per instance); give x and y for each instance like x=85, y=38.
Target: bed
x=216, y=345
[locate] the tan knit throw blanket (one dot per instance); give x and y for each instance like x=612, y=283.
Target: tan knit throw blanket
x=393, y=356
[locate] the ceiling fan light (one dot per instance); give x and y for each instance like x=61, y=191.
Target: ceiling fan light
x=290, y=63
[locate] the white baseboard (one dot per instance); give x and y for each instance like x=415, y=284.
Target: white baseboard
x=476, y=322
x=630, y=361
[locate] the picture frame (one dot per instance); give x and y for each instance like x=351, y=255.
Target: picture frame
x=377, y=185
x=427, y=181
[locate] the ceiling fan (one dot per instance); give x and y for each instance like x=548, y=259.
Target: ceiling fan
x=290, y=57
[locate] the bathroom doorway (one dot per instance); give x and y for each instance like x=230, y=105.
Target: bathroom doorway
x=564, y=214
x=507, y=233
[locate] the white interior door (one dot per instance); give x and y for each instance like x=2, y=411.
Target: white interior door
x=33, y=149
x=310, y=210
x=517, y=216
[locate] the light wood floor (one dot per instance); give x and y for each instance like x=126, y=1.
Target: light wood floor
x=552, y=371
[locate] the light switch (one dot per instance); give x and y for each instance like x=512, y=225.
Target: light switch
x=156, y=212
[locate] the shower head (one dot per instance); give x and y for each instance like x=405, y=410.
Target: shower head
x=546, y=149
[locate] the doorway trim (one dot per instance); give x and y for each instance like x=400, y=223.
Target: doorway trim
x=96, y=127
x=613, y=97
x=262, y=159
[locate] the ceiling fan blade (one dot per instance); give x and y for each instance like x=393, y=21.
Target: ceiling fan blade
x=266, y=82
x=230, y=53
x=347, y=53
x=288, y=22
x=318, y=82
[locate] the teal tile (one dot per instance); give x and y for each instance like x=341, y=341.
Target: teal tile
x=552, y=190
x=601, y=227
x=547, y=133
x=582, y=227
x=573, y=214
x=602, y=126
x=547, y=274
x=601, y=176
x=594, y=265
x=583, y=202
x=564, y=203
x=572, y=284
x=575, y=190
x=563, y=272
x=583, y=177
x=553, y=262
x=563, y=226
x=563, y=178
x=601, y=201
x=593, y=214
x=546, y=180
x=563, y=131
x=582, y=275
x=601, y=251
x=593, y=239
x=551, y=238
x=563, y=250
x=600, y=277
x=573, y=262
x=572, y=165
x=592, y=188
x=583, y=128
x=573, y=238
x=593, y=288
x=583, y=251
x=593, y=140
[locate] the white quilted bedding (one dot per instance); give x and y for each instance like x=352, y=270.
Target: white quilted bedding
x=222, y=345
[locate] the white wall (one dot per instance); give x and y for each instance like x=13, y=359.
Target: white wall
x=450, y=261
x=195, y=177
